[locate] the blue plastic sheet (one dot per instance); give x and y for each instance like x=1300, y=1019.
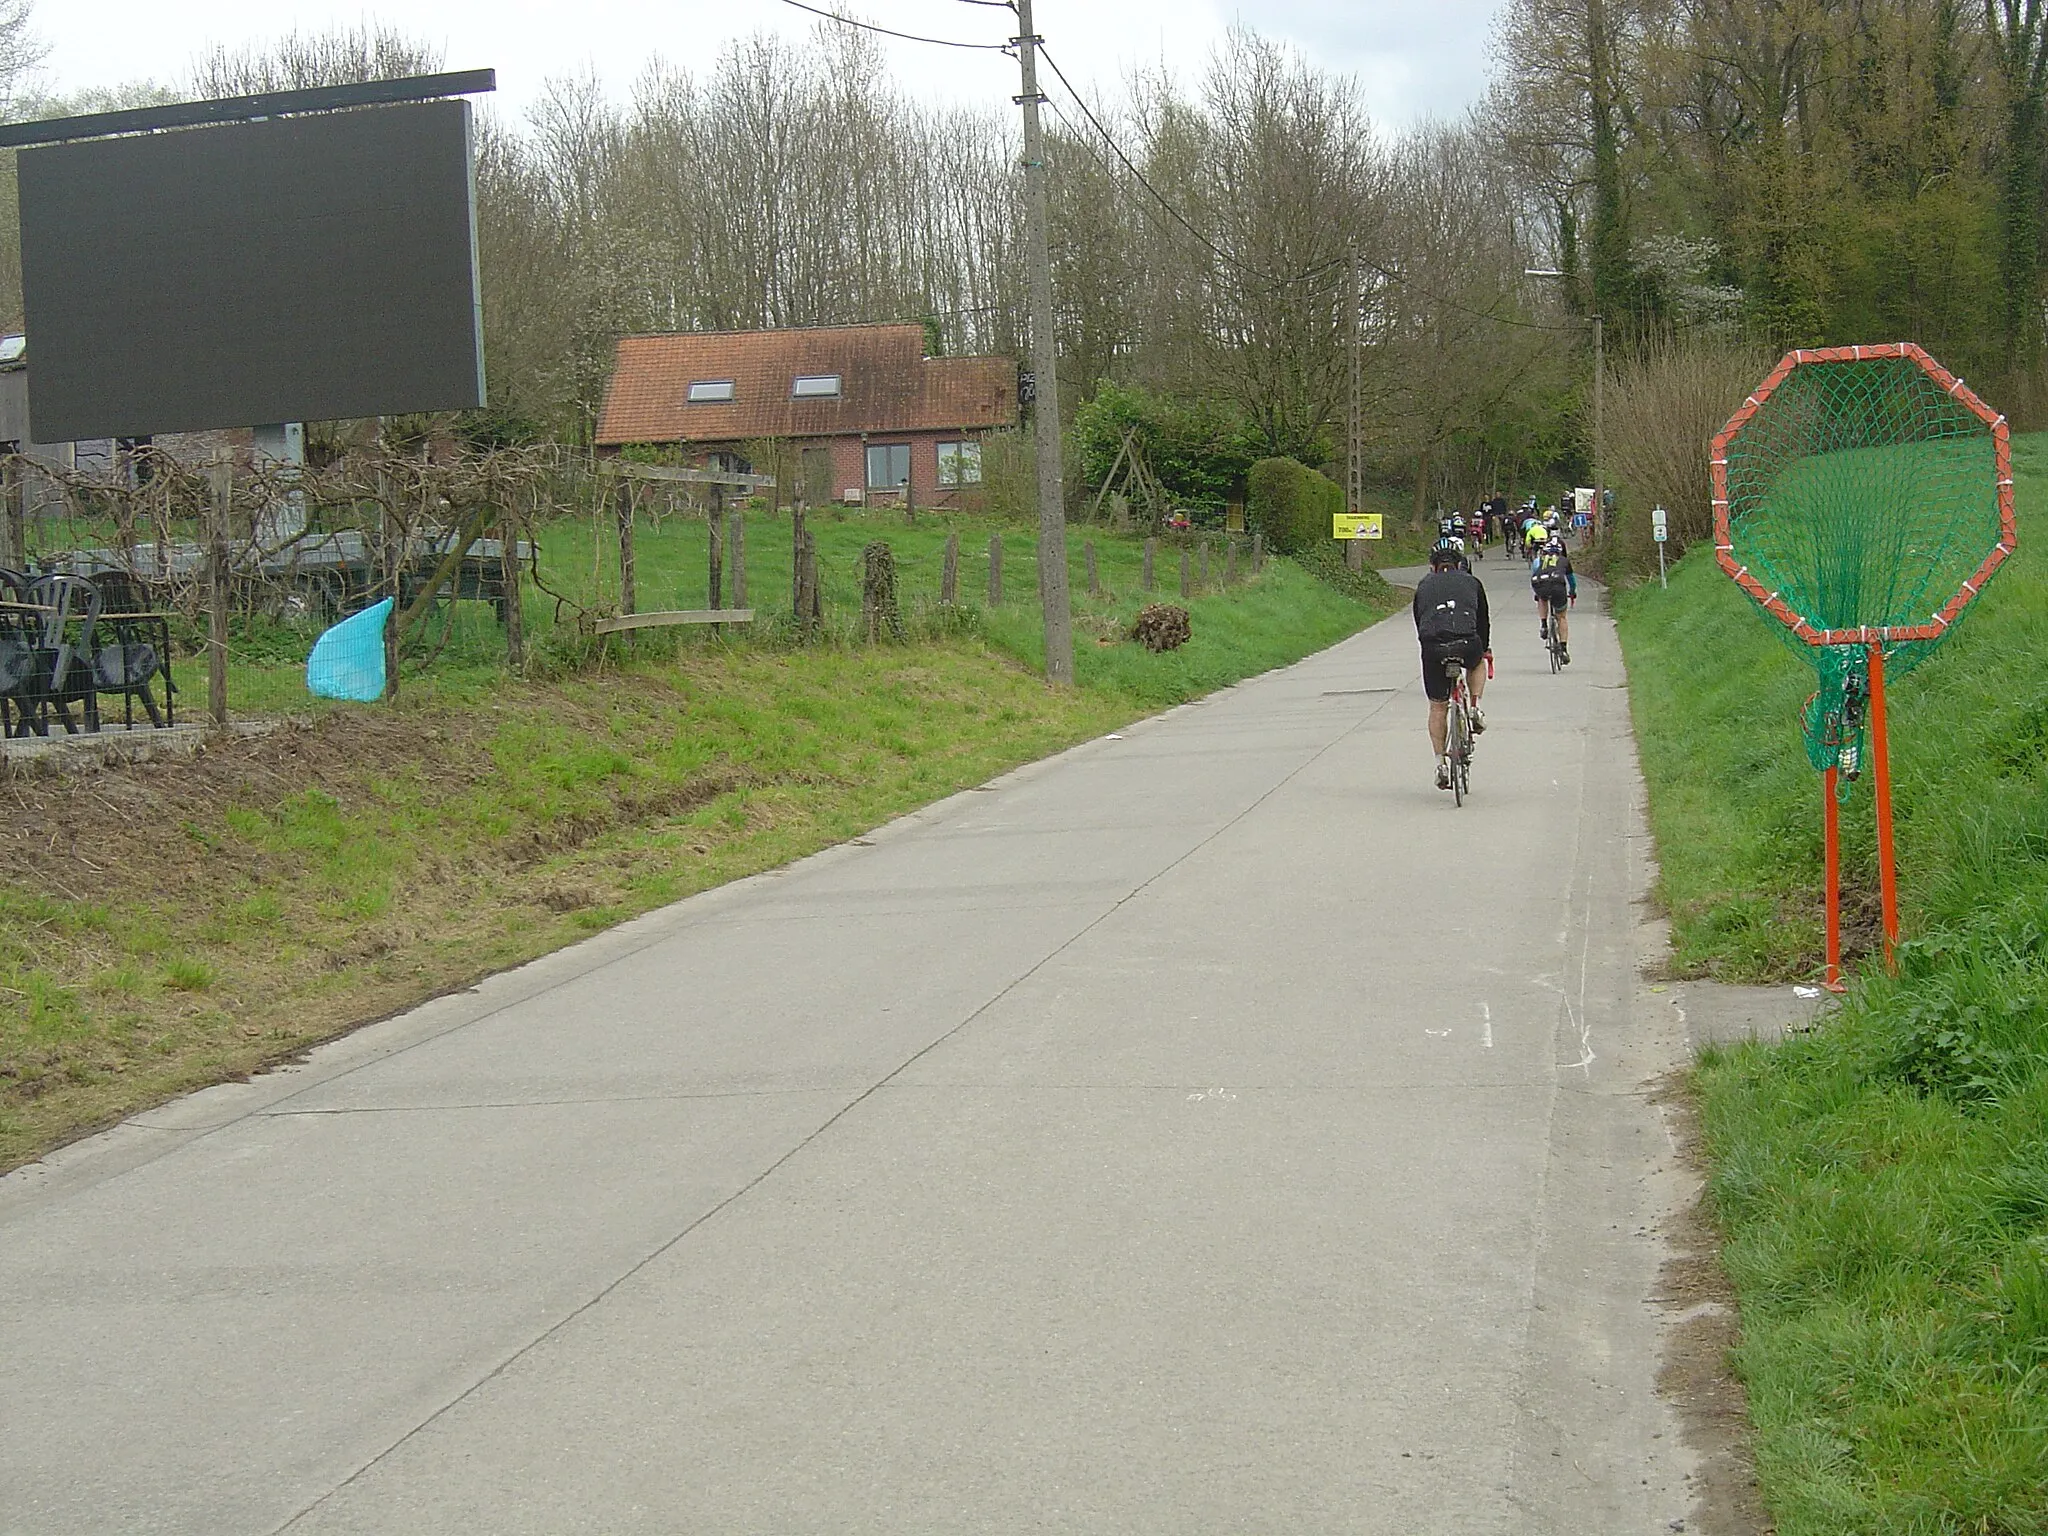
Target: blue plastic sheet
x=348, y=661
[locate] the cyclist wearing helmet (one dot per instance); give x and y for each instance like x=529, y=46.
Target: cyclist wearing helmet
x=1556, y=587
x=1450, y=620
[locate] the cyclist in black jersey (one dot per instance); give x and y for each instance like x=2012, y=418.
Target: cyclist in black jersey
x=1556, y=587
x=1451, y=620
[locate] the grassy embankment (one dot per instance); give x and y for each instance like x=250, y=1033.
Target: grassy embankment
x=177, y=923
x=1882, y=1181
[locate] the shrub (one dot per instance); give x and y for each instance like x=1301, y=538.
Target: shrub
x=1291, y=504
x=1663, y=409
x=1198, y=449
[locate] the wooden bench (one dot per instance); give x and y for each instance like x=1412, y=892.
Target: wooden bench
x=625, y=621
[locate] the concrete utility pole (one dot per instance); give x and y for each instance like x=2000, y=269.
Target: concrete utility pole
x=1354, y=490
x=1052, y=512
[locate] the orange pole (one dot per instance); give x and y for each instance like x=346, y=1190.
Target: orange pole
x=1831, y=822
x=1881, y=775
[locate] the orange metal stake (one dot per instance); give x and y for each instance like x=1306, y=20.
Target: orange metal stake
x=1881, y=775
x=1831, y=821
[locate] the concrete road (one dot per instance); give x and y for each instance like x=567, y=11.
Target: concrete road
x=1207, y=1130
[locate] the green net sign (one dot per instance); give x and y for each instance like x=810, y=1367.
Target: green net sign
x=1862, y=496
x=1862, y=499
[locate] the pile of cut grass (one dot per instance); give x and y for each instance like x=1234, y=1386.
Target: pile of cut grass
x=1883, y=1180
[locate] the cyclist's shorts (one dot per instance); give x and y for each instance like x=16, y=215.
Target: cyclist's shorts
x=1434, y=682
x=1554, y=590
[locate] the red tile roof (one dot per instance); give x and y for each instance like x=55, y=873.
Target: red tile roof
x=887, y=384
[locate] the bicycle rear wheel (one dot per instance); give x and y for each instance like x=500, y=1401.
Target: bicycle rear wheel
x=1461, y=748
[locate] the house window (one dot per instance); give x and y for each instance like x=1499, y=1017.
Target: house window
x=888, y=466
x=815, y=386
x=710, y=391
x=959, y=464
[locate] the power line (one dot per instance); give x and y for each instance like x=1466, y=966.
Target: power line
x=909, y=37
x=1221, y=255
x=1160, y=197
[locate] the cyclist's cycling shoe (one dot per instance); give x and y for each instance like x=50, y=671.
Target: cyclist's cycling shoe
x=1443, y=773
x=1478, y=723
x=1564, y=658
x=1542, y=631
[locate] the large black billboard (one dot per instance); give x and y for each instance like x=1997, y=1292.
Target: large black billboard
x=294, y=269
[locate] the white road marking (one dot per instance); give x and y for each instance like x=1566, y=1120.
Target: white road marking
x=1487, y=1009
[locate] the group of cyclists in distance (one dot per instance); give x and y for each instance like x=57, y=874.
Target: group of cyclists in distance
x=1451, y=617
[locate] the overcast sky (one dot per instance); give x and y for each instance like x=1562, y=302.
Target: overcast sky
x=1414, y=57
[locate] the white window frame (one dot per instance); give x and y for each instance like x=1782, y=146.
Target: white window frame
x=710, y=392
x=958, y=455
x=814, y=386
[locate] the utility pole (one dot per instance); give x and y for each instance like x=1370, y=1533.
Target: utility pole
x=1052, y=512
x=1354, y=488
x=1599, y=432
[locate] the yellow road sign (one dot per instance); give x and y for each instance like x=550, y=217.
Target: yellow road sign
x=1355, y=525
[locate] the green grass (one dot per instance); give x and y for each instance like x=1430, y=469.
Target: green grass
x=1882, y=1181
x=292, y=885
x=579, y=560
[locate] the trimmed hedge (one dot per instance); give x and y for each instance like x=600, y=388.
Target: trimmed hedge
x=1291, y=504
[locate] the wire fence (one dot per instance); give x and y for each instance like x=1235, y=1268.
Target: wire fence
x=529, y=558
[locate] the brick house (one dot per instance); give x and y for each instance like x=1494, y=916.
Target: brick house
x=844, y=409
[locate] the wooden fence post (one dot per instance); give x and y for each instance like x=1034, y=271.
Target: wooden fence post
x=796, y=563
x=223, y=486
x=1230, y=562
x=814, y=613
x=1258, y=553
x=949, y=572
x=714, y=575
x=736, y=545
x=995, y=570
x=1205, y=562
x=1151, y=549
x=1094, y=572
x=624, y=508
x=391, y=557
x=1186, y=585
x=14, y=519
x=511, y=573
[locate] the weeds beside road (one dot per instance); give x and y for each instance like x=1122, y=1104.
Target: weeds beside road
x=1883, y=1180
x=177, y=923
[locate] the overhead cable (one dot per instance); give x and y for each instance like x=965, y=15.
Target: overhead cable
x=909, y=37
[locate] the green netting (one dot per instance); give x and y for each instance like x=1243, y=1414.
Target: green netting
x=1863, y=494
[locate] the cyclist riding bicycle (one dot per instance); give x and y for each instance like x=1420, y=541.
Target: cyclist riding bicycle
x=1451, y=620
x=1556, y=587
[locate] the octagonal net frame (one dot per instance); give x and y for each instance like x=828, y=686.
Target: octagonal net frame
x=1862, y=499
x=1872, y=492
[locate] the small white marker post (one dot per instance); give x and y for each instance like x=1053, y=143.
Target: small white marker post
x=1658, y=532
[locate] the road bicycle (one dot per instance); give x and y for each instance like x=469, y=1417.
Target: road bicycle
x=1552, y=638
x=1458, y=731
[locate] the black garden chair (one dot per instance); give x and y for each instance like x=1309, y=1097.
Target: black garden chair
x=131, y=649
x=64, y=661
